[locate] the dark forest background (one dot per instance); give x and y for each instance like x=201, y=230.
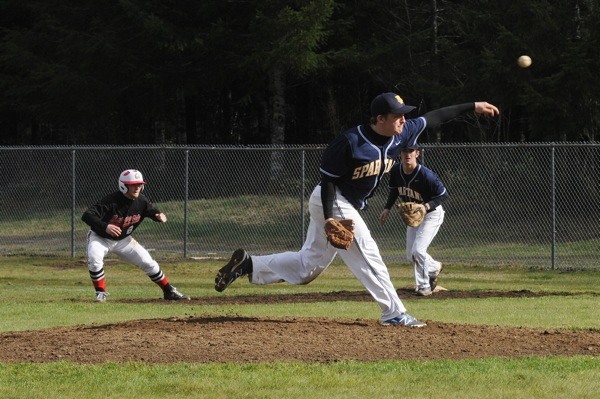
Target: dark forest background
x=75, y=72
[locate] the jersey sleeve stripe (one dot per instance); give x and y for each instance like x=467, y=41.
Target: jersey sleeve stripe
x=327, y=173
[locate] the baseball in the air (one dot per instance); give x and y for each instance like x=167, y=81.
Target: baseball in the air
x=524, y=61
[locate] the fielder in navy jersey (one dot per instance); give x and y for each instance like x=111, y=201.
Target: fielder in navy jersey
x=351, y=169
x=413, y=182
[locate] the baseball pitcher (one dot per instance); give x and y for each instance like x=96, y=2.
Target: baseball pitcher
x=351, y=169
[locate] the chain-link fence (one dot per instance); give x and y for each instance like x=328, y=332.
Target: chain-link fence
x=528, y=205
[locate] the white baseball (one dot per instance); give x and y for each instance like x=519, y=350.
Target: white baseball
x=524, y=61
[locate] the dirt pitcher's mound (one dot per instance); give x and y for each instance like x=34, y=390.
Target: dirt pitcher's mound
x=249, y=339
x=407, y=293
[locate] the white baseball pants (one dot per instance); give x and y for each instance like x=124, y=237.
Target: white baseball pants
x=418, y=240
x=128, y=249
x=362, y=258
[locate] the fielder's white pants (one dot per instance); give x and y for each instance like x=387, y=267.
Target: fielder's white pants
x=418, y=240
x=362, y=258
x=128, y=249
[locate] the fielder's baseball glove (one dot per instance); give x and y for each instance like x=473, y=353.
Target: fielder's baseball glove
x=340, y=233
x=412, y=213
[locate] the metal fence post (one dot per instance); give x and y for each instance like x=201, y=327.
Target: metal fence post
x=302, y=188
x=73, y=189
x=185, y=202
x=553, y=207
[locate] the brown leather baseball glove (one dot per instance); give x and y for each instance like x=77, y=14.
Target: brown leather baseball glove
x=412, y=213
x=340, y=232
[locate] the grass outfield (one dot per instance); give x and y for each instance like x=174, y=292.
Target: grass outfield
x=38, y=293
x=573, y=377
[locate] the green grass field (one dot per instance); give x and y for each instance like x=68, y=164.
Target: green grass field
x=42, y=292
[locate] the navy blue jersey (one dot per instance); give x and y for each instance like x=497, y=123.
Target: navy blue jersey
x=121, y=211
x=357, y=162
x=421, y=186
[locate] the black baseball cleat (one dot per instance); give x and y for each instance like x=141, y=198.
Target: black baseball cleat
x=171, y=294
x=239, y=265
x=434, y=280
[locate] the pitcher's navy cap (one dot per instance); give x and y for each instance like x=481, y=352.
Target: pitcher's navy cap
x=389, y=103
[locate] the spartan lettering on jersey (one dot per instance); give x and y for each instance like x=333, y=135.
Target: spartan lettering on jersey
x=407, y=192
x=372, y=169
x=124, y=221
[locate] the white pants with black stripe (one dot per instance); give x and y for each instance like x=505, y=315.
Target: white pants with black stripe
x=128, y=249
x=418, y=240
x=362, y=258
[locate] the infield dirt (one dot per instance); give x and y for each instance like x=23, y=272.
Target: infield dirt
x=242, y=339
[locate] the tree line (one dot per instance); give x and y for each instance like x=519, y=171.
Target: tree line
x=75, y=72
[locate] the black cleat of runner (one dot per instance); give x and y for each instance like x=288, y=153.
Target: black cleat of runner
x=172, y=294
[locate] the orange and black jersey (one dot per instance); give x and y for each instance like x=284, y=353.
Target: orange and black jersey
x=121, y=211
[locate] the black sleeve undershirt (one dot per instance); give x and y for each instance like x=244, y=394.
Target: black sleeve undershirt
x=392, y=197
x=434, y=118
x=437, y=201
x=327, y=195
x=437, y=117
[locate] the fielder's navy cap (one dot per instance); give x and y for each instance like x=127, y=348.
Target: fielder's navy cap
x=389, y=103
x=411, y=146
